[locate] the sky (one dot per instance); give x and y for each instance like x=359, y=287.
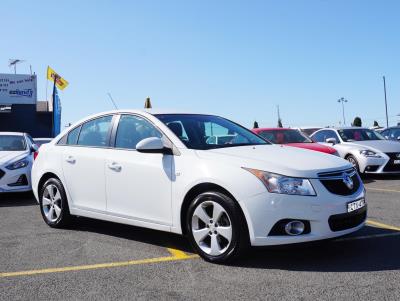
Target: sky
x=237, y=59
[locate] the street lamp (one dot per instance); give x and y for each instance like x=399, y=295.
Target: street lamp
x=342, y=100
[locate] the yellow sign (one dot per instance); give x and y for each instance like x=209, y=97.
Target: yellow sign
x=60, y=82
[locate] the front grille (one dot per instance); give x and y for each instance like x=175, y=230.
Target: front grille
x=390, y=166
x=334, y=181
x=2, y=173
x=22, y=181
x=340, y=222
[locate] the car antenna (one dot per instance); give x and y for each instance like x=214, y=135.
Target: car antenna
x=112, y=100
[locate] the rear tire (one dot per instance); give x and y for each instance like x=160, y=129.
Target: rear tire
x=216, y=227
x=54, y=204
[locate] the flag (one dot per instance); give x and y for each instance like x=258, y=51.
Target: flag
x=60, y=82
x=56, y=113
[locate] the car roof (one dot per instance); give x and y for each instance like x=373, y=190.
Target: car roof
x=142, y=112
x=345, y=128
x=273, y=129
x=12, y=133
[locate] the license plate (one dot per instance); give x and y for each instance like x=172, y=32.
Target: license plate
x=396, y=162
x=352, y=206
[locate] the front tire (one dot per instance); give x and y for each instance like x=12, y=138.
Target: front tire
x=354, y=162
x=53, y=204
x=216, y=227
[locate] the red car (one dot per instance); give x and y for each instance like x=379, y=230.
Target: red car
x=294, y=138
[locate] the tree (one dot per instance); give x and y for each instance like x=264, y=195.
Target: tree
x=280, y=123
x=376, y=123
x=357, y=122
x=255, y=126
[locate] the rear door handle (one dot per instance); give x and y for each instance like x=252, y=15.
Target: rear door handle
x=115, y=166
x=71, y=160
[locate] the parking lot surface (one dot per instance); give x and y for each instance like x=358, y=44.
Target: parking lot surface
x=95, y=260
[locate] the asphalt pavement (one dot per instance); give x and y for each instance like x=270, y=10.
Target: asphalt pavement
x=96, y=260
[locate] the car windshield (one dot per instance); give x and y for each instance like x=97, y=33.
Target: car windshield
x=285, y=136
x=205, y=132
x=351, y=135
x=310, y=131
x=12, y=143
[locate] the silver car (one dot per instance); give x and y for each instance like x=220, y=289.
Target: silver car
x=366, y=149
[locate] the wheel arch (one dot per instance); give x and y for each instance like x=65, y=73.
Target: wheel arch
x=201, y=188
x=44, y=178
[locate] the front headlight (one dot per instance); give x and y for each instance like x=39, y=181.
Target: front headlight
x=369, y=153
x=18, y=164
x=284, y=185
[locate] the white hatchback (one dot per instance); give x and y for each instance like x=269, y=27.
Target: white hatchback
x=160, y=171
x=17, y=152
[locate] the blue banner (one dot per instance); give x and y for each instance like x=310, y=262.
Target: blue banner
x=56, y=113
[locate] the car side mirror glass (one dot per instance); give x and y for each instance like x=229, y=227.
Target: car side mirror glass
x=331, y=141
x=153, y=145
x=34, y=148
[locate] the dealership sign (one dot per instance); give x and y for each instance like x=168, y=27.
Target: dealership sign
x=18, y=89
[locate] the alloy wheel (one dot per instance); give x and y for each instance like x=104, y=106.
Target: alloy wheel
x=51, y=203
x=211, y=228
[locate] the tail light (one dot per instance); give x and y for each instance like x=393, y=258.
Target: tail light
x=35, y=154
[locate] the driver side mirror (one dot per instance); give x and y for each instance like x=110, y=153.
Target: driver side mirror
x=331, y=141
x=153, y=145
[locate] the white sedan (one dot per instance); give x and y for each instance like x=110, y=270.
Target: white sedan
x=158, y=171
x=367, y=150
x=17, y=151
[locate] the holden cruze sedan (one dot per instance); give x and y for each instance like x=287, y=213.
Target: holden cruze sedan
x=162, y=171
x=17, y=152
x=367, y=150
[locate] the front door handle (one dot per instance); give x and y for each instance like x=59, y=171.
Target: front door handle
x=71, y=160
x=115, y=166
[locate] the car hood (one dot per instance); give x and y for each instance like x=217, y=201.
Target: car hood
x=7, y=156
x=315, y=147
x=280, y=159
x=384, y=146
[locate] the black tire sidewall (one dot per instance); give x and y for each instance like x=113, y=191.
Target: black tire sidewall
x=356, y=162
x=238, y=226
x=64, y=216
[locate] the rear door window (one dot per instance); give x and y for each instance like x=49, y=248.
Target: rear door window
x=72, y=137
x=95, y=132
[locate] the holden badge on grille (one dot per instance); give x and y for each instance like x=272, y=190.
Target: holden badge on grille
x=348, y=181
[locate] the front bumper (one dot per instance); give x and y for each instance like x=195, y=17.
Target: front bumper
x=18, y=180
x=264, y=210
x=383, y=165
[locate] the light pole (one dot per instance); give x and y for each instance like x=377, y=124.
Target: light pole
x=342, y=100
x=384, y=89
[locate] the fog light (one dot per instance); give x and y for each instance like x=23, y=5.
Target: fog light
x=294, y=228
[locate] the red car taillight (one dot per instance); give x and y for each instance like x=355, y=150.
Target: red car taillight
x=35, y=154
